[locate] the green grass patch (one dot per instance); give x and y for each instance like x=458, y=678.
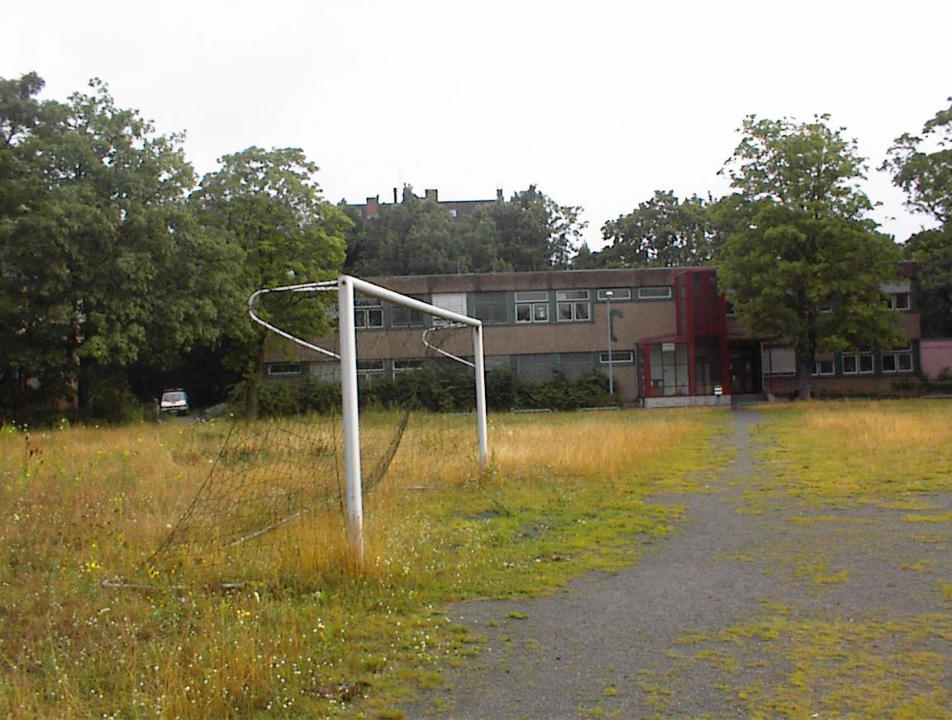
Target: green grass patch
x=888, y=453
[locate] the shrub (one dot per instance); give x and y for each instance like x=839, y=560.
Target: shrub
x=434, y=390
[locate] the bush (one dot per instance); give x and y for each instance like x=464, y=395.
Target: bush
x=438, y=390
x=112, y=401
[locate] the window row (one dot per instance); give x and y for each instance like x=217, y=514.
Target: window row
x=864, y=363
x=541, y=367
x=493, y=308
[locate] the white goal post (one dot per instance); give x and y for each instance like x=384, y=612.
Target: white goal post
x=347, y=286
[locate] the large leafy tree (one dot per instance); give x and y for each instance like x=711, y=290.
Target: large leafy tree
x=922, y=167
x=417, y=236
x=661, y=232
x=804, y=264
x=268, y=207
x=530, y=231
x=99, y=255
x=534, y=232
x=413, y=237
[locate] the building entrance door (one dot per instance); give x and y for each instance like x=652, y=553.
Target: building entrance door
x=745, y=370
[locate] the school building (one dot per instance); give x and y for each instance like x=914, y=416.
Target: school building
x=665, y=336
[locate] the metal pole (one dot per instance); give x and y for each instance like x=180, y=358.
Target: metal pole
x=481, y=425
x=608, y=318
x=351, y=417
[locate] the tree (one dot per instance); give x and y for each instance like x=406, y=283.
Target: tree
x=530, y=231
x=804, y=265
x=535, y=232
x=268, y=207
x=931, y=250
x=660, y=232
x=926, y=177
x=418, y=237
x=98, y=252
x=922, y=167
x=413, y=237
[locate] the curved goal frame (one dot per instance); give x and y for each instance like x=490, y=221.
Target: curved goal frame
x=347, y=287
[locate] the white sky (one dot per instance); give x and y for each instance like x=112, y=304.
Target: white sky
x=597, y=103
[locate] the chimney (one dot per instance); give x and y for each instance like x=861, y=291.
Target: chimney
x=394, y=196
x=499, y=195
x=370, y=209
x=431, y=194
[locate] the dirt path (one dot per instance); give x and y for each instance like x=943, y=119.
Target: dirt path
x=770, y=610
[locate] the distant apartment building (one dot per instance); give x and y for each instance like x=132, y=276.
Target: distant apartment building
x=456, y=208
x=665, y=334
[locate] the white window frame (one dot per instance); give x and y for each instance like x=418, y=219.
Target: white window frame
x=367, y=370
x=619, y=357
x=900, y=358
x=617, y=294
x=364, y=308
x=893, y=302
x=576, y=305
x=406, y=365
x=536, y=302
x=655, y=292
x=820, y=362
x=858, y=358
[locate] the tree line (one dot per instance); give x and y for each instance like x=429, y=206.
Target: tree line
x=120, y=268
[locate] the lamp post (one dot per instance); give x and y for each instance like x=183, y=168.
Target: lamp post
x=608, y=318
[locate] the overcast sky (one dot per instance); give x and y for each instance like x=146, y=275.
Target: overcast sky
x=597, y=103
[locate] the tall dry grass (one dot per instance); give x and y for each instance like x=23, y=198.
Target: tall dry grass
x=89, y=629
x=879, y=451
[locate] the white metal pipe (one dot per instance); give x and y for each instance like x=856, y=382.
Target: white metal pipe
x=351, y=416
x=611, y=377
x=441, y=351
x=309, y=287
x=367, y=288
x=481, y=424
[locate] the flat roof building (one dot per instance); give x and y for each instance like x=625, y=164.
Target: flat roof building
x=666, y=335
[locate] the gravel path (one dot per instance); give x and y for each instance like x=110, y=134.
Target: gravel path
x=728, y=615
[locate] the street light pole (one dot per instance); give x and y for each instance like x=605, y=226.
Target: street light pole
x=608, y=317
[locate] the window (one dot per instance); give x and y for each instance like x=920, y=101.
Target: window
x=537, y=368
x=368, y=313
x=573, y=366
x=285, y=369
x=779, y=361
x=573, y=305
x=897, y=361
x=656, y=292
x=367, y=370
x=454, y=302
x=669, y=368
x=824, y=365
x=616, y=294
x=401, y=316
x=857, y=363
x=402, y=366
x=532, y=306
x=491, y=307
x=898, y=301
x=619, y=357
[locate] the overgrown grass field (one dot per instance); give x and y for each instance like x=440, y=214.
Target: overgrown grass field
x=92, y=626
x=290, y=628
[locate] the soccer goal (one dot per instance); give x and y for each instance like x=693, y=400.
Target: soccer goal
x=348, y=288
